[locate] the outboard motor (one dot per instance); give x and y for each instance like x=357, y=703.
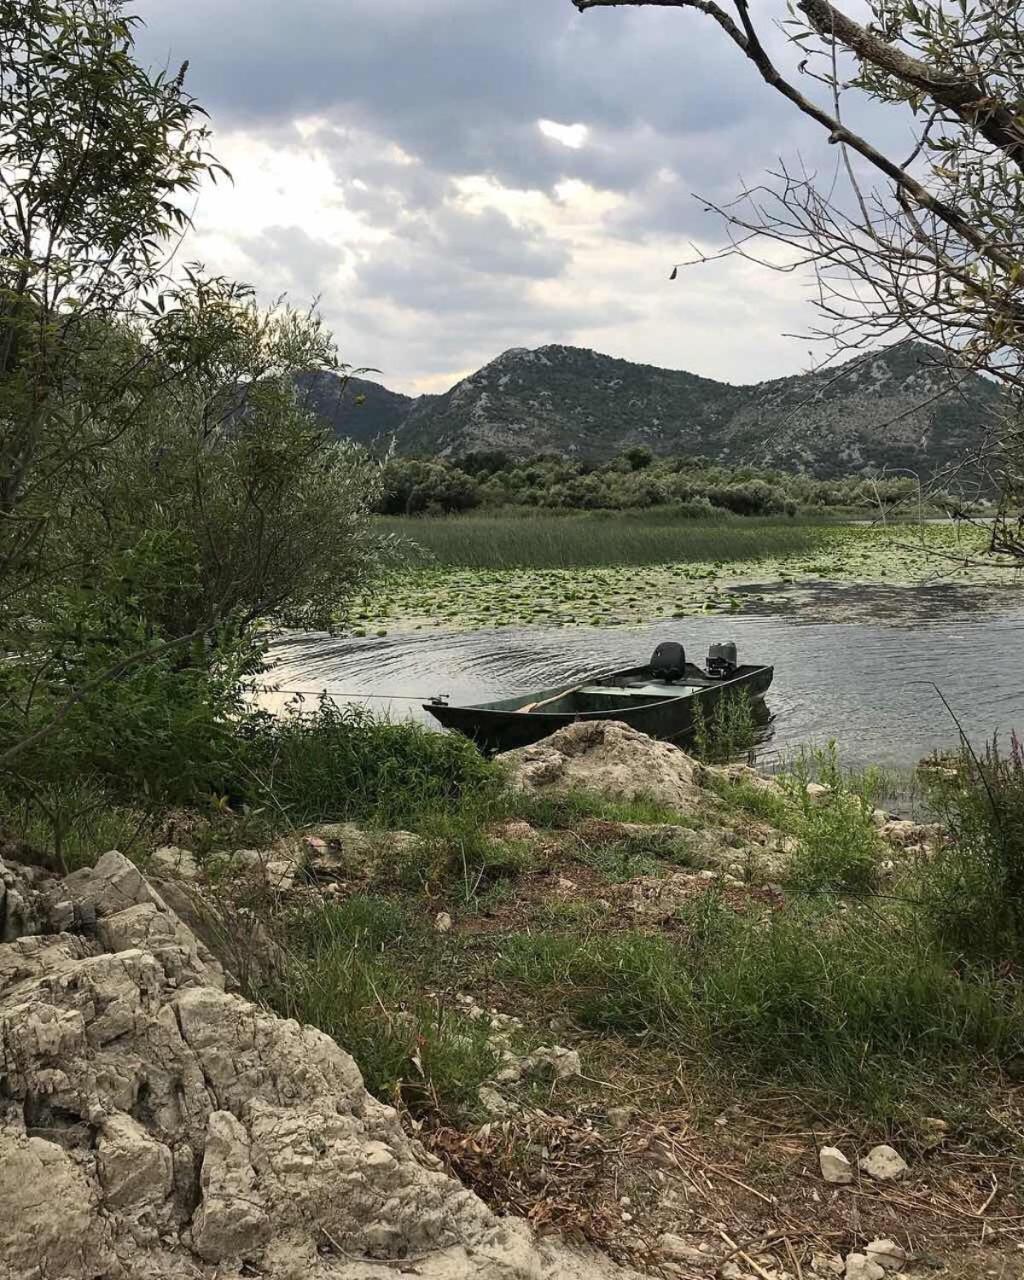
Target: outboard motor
x=722, y=659
x=668, y=662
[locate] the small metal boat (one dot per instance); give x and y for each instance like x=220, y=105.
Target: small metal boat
x=660, y=699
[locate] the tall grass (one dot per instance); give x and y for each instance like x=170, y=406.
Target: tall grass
x=343, y=763
x=863, y=1004
x=597, y=538
x=356, y=972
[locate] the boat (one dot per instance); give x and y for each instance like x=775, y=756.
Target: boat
x=660, y=698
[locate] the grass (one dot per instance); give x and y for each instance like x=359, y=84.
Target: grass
x=866, y=1010
x=868, y=998
x=598, y=539
x=357, y=972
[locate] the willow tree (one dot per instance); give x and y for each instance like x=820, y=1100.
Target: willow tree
x=925, y=243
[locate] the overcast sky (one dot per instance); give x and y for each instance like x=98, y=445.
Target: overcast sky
x=456, y=177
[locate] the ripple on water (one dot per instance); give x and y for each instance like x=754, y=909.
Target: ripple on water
x=858, y=664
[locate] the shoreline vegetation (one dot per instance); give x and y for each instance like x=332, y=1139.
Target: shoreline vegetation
x=637, y=481
x=629, y=568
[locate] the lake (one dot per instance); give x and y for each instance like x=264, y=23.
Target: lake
x=858, y=664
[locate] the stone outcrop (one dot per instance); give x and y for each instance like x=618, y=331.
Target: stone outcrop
x=606, y=757
x=153, y=1124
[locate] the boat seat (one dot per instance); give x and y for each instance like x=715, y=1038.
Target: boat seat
x=652, y=690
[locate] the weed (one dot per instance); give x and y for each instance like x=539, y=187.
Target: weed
x=975, y=887
x=357, y=971
x=619, y=860
x=728, y=731
x=864, y=1006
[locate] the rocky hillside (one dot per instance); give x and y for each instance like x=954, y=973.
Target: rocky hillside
x=884, y=410
x=357, y=408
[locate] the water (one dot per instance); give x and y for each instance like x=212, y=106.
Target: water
x=856, y=664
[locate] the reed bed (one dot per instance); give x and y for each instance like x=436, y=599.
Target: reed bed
x=543, y=541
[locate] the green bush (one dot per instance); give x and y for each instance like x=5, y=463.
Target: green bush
x=338, y=763
x=728, y=731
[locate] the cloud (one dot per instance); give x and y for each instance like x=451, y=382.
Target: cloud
x=459, y=176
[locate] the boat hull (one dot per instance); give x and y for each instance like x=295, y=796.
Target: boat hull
x=504, y=725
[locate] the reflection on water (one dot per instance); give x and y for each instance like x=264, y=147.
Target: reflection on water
x=856, y=664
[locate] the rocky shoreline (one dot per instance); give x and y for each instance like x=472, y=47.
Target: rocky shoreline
x=154, y=1122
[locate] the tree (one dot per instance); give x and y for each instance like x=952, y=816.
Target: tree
x=97, y=159
x=163, y=496
x=929, y=244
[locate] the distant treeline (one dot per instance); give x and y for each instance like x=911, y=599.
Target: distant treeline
x=633, y=481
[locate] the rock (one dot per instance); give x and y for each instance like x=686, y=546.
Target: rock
x=494, y=1103
x=50, y=1209
x=884, y=1163
x=737, y=773
x=879, y=818
x=912, y=836
x=899, y=831
x=819, y=793
x=889, y=1255
x=277, y=868
x=443, y=922
x=675, y=1249
x=860, y=1267
x=834, y=1165
x=607, y=757
x=135, y=1170
x=827, y=1264
x=171, y=861
x=111, y=885
x=231, y=1220
x=563, y=1063
x=189, y=1133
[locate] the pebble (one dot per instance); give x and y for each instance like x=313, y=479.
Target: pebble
x=620, y=1118
x=861, y=1267
x=676, y=1249
x=933, y=1131
x=884, y=1163
x=889, y=1255
x=835, y=1167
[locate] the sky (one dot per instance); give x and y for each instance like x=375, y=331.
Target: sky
x=452, y=178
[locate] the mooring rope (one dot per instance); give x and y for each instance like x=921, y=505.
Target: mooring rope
x=341, y=693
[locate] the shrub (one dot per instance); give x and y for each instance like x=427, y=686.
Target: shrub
x=344, y=763
x=728, y=731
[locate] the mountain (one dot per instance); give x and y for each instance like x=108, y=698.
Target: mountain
x=885, y=409
x=356, y=408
